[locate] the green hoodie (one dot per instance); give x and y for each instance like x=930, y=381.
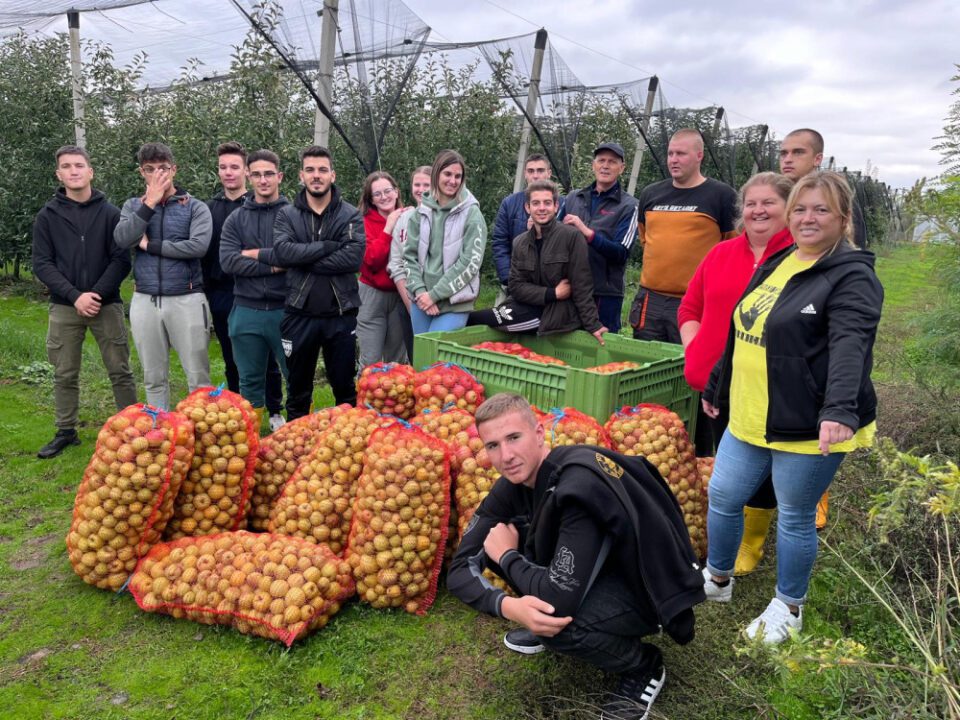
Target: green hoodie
x=448, y=264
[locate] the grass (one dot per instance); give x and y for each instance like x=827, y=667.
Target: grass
x=70, y=651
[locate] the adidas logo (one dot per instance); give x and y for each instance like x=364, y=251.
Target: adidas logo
x=809, y=310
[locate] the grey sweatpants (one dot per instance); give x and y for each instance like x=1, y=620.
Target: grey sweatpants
x=179, y=321
x=380, y=326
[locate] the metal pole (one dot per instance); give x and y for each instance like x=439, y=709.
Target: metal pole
x=76, y=77
x=641, y=142
x=533, y=95
x=328, y=45
x=756, y=156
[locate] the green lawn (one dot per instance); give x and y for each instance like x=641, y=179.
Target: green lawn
x=68, y=650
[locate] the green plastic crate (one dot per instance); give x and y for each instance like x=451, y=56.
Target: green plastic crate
x=659, y=379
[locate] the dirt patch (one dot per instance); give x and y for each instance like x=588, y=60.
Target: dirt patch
x=33, y=552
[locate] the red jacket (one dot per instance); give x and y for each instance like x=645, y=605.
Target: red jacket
x=712, y=295
x=373, y=271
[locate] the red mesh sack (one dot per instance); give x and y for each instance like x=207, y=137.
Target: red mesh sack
x=400, y=519
x=705, y=466
x=280, y=455
x=658, y=434
x=316, y=504
x=445, y=384
x=569, y=426
x=215, y=495
x=276, y=587
x=388, y=388
x=127, y=493
x=474, y=482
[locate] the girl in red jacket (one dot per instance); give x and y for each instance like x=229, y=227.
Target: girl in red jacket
x=380, y=320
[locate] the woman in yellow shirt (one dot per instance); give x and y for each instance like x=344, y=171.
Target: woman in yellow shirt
x=796, y=377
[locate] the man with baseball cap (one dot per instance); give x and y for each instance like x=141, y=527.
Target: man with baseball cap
x=607, y=217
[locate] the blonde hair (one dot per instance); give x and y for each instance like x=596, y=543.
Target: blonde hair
x=503, y=403
x=780, y=183
x=837, y=195
x=691, y=133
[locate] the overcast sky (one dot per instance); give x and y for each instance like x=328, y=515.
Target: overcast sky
x=873, y=77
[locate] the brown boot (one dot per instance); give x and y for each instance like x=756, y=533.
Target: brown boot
x=756, y=524
x=822, y=507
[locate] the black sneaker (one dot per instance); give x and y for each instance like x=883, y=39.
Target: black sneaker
x=523, y=641
x=635, y=694
x=61, y=441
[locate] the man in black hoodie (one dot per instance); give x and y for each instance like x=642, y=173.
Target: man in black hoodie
x=320, y=240
x=594, y=545
x=75, y=257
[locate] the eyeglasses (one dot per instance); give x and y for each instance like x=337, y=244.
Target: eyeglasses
x=269, y=175
x=383, y=193
x=150, y=169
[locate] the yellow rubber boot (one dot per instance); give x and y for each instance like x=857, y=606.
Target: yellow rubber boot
x=822, y=507
x=756, y=524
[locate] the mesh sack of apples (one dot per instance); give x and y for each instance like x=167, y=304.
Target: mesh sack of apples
x=275, y=587
x=280, y=455
x=316, y=504
x=445, y=384
x=215, y=495
x=127, y=493
x=569, y=426
x=658, y=434
x=400, y=519
x=388, y=388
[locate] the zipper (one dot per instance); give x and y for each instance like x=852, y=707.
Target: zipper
x=163, y=212
x=83, y=271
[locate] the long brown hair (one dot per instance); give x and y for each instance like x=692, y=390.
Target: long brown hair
x=366, y=195
x=445, y=159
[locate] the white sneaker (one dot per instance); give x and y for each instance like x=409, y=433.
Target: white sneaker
x=716, y=593
x=774, y=623
x=276, y=422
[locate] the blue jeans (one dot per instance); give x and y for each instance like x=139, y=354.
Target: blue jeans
x=436, y=323
x=798, y=481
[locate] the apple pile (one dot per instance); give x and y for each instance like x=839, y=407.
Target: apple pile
x=400, y=519
x=518, y=350
x=316, y=504
x=388, y=389
x=280, y=455
x=445, y=385
x=215, y=496
x=127, y=493
x=613, y=367
x=658, y=434
x=569, y=426
x=276, y=587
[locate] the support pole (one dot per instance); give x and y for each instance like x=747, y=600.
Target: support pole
x=760, y=144
x=641, y=141
x=533, y=95
x=328, y=46
x=76, y=77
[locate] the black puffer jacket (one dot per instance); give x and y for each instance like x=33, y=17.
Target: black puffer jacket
x=320, y=248
x=256, y=285
x=819, y=339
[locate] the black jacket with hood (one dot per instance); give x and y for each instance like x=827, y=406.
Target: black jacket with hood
x=215, y=278
x=256, y=285
x=819, y=339
x=622, y=496
x=73, y=249
x=320, y=248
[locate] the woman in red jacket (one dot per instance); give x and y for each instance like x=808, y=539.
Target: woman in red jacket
x=704, y=320
x=380, y=319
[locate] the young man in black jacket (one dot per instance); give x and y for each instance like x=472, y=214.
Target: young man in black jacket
x=319, y=239
x=593, y=543
x=75, y=257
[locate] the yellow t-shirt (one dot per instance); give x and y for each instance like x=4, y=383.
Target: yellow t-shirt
x=748, y=384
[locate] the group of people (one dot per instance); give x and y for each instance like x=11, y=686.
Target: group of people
x=770, y=292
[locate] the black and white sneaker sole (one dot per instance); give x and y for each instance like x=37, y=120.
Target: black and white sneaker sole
x=523, y=649
x=651, y=692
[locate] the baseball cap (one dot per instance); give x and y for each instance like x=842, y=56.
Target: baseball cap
x=615, y=148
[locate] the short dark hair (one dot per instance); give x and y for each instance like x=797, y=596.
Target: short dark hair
x=816, y=139
x=541, y=185
x=154, y=152
x=264, y=154
x=536, y=157
x=231, y=147
x=71, y=150
x=316, y=151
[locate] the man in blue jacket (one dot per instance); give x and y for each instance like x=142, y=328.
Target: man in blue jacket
x=171, y=231
x=607, y=217
x=75, y=257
